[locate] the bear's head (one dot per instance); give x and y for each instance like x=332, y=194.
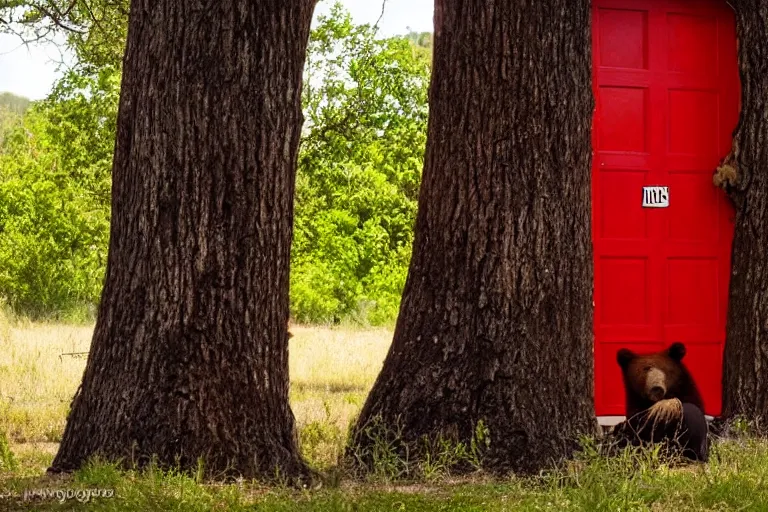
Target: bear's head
x=649, y=378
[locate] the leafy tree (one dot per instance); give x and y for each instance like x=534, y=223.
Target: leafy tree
x=95, y=30
x=365, y=101
x=357, y=182
x=423, y=43
x=54, y=198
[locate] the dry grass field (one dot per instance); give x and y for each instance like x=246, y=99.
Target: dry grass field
x=331, y=372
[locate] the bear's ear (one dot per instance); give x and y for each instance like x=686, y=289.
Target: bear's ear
x=624, y=357
x=676, y=351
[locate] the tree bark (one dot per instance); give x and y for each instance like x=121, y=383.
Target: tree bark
x=744, y=175
x=189, y=353
x=496, y=317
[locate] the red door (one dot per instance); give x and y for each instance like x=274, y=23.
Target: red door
x=667, y=100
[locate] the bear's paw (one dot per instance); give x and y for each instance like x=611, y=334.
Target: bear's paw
x=666, y=411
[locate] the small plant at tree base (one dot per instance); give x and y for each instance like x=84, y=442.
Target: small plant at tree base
x=7, y=459
x=387, y=456
x=390, y=457
x=741, y=426
x=321, y=441
x=445, y=455
x=480, y=443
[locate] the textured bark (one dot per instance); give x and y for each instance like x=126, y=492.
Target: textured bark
x=189, y=356
x=745, y=177
x=496, y=318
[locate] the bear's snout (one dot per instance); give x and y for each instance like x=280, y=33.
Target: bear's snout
x=656, y=393
x=655, y=384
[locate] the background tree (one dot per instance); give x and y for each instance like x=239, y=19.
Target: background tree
x=189, y=353
x=94, y=30
x=365, y=101
x=362, y=150
x=422, y=42
x=496, y=318
x=54, y=200
x=744, y=175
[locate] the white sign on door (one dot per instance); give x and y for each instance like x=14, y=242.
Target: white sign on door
x=655, y=197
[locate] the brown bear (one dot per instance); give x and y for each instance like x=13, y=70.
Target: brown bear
x=663, y=402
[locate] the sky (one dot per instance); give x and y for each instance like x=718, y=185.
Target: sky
x=31, y=70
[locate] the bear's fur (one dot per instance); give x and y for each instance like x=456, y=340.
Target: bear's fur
x=662, y=401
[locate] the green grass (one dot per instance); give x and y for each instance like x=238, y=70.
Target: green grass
x=735, y=479
x=331, y=373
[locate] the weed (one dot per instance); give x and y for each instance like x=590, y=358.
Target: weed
x=386, y=455
x=7, y=459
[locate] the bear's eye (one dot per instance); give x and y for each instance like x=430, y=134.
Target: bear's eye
x=646, y=369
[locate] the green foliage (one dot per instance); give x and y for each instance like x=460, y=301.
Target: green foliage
x=95, y=30
x=365, y=104
x=422, y=44
x=359, y=171
x=54, y=198
x=101, y=41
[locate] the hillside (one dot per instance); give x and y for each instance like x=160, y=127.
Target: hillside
x=10, y=102
x=11, y=108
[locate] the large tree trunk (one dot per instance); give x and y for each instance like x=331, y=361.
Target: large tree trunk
x=744, y=176
x=496, y=317
x=189, y=357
